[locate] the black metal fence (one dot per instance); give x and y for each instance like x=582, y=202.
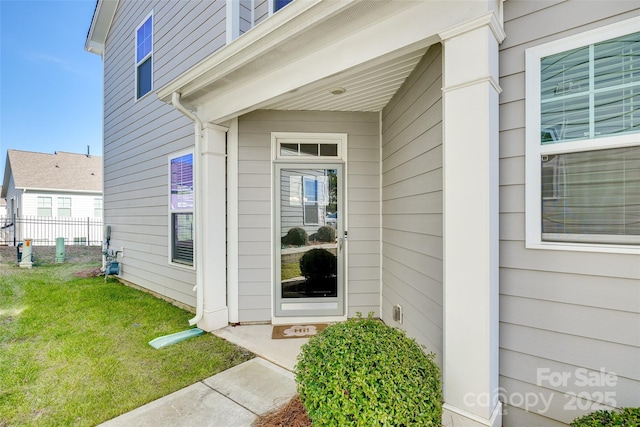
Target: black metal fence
x=44, y=231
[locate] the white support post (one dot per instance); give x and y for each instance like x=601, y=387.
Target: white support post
x=213, y=228
x=470, y=126
x=232, y=222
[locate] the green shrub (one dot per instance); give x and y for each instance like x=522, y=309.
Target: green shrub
x=326, y=234
x=626, y=417
x=296, y=236
x=364, y=373
x=318, y=264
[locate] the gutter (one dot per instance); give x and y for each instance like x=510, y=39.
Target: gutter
x=57, y=190
x=175, y=100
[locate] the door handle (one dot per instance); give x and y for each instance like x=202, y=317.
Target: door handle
x=341, y=240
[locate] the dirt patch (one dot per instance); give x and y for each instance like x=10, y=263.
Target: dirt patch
x=292, y=414
x=47, y=254
x=90, y=272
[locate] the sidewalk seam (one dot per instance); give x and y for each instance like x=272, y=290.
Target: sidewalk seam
x=227, y=397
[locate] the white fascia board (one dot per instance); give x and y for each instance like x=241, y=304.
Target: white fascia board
x=379, y=42
x=100, y=25
x=58, y=190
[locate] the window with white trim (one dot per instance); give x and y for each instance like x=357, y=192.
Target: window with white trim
x=64, y=207
x=44, y=206
x=583, y=139
x=144, y=57
x=181, y=208
x=97, y=207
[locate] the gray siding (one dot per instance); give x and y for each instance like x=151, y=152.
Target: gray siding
x=412, y=203
x=255, y=217
x=559, y=310
x=140, y=135
x=261, y=11
x=246, y=21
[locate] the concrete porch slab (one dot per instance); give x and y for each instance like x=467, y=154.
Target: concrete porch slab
x=257, y=339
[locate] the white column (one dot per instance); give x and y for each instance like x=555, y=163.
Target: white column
x=212, y=230
x=470, y=128
x=232, y=221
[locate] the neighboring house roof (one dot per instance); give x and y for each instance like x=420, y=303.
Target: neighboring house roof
x=60, y=171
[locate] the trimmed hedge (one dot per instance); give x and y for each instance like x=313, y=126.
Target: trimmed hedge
x=318, y=264
x=326, y=234
x=626, y=417
x=364, y=373
x=296, y=236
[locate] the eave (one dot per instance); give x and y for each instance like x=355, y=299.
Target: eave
x=293, y=59
x=100, y=25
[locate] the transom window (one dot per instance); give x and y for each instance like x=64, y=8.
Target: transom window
x=181, y=208
x=144, y=57
x=308, y=146
x=583, y=139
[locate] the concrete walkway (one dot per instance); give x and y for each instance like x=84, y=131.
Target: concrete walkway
x=235, y=397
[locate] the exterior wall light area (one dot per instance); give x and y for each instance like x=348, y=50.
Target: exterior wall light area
x=337, y=90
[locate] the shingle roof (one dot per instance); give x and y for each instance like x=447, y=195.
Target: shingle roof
x=58, y=171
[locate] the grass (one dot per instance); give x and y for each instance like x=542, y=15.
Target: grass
x=74, y=351
x=289, y=271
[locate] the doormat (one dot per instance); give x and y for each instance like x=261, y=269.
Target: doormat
x=296, y=331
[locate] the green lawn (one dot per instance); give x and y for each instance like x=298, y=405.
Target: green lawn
x=74, y=351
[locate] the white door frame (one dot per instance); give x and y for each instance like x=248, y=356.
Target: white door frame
x=340, y=139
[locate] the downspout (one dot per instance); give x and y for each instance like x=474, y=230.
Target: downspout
x=175, y=100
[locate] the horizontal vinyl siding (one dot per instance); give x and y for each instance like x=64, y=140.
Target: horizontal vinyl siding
x=559, y=310
x=412, y=204
x=140, y=135
x=246, y=21
x=261, y=11
x=255, y=210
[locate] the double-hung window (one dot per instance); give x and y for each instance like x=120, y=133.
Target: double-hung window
x=97, y=207
x=583, y=141
x=144, y=57
x=279, y=4
x=181, y=208
x=44, y=206
x=64, y=207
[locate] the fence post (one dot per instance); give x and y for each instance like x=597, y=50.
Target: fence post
x=88, y=231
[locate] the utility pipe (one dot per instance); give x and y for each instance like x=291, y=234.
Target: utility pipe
x=175, y=100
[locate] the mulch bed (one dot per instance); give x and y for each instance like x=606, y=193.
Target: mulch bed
x=292, y=414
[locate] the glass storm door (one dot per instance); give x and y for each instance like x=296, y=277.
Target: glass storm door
x=309, y=245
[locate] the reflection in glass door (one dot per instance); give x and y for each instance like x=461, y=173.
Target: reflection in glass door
x=309, y=234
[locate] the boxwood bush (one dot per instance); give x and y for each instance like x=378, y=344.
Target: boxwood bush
x=326, y=234
x=364, y=373
x=296, y=236
x=626, y=417
x=318, y=264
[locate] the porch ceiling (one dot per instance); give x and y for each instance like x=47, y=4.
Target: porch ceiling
x=363, y=88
